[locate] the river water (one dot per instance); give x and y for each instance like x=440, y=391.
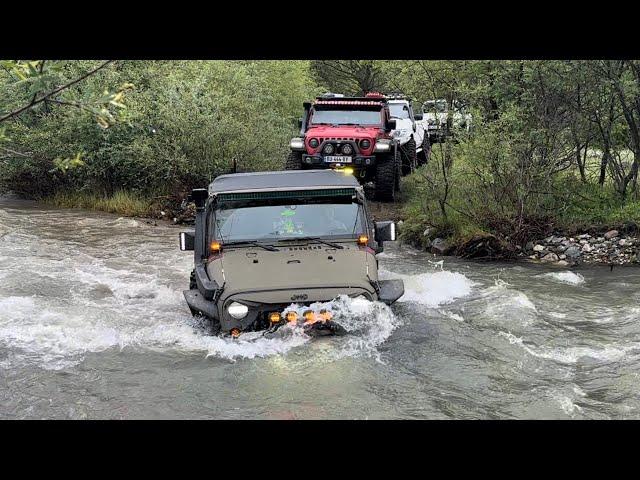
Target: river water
x=93, y=325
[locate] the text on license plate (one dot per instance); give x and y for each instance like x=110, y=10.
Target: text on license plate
x=337, y=158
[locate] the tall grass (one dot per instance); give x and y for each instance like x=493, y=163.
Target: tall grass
x=122, y=202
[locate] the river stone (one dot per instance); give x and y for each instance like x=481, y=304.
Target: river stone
x=550, y=257
x=583, y=242
x=584, y=236
x=573, y=252
x=622, y=242
x=562, y=263
x=560, y=248
x=611, y=234
x=562, y=257
x=439, y=246
x=529, y=246
x=538, y=248
x=586, y=248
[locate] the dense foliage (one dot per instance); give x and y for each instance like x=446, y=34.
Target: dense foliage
x=182, y=123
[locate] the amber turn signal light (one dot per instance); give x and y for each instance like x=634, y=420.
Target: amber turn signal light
x=274, y=317
x=363, y=240
x=235, y=332
x=216, y=247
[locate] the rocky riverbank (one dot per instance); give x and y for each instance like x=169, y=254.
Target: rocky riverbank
x=611, y=247
x=608, y=248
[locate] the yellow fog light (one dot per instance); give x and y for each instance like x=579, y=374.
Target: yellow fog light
x=291, y=316
x=326, y=315
x=309, y=316
x=348, y=171
x=274, y=317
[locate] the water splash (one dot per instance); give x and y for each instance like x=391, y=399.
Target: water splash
x=568, y=277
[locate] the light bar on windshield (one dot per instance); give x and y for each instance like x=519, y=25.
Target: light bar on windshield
x=347, y=102
x=273, y=195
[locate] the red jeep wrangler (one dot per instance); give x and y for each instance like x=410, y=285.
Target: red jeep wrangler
x=353, y=134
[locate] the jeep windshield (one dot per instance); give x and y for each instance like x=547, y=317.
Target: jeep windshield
x=273, y=222
x=399, y=110
x=346, y=117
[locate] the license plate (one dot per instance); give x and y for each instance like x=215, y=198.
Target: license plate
x=337, y=159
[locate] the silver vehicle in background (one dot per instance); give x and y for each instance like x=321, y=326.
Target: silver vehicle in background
x=442, y=121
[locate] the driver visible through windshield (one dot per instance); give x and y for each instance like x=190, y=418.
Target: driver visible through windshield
x=280, y=222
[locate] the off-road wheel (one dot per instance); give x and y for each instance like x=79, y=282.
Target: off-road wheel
x=387, y=176
x=425, y=154
x=294, y=161
x=409, y=157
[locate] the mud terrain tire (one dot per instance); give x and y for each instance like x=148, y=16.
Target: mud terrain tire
x=409, y=157
x=425, y=154
x=294, y=161
x=387, y=176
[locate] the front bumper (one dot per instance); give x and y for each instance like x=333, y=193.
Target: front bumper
x=257, y=317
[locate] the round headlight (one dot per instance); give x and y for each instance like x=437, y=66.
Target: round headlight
x=347, y=149
x=237, y=310
x=365, y=143
x=313, y=143
x=328, y=149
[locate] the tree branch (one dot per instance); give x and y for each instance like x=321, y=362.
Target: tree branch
x=53, y=92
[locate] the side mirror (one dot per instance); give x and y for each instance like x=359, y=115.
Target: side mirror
x=187, y=241
x=417, y=116
x=199, y=196
x=391, y=124
x=385, y=232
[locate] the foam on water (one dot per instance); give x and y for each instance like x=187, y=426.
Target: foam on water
x=567, y=276
x=434, y=288
x=571, y=355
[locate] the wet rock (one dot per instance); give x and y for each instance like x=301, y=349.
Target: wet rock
x=573, y=253
x=622, y=242
x=538, y=248
x=611, y=234
x=586, y=248
x=550, y=257
x=529, y=246
x=584, y=236
x=562, y=257
x=439, y=246
x=560, y=249
x=583, y=242
x=562, y=263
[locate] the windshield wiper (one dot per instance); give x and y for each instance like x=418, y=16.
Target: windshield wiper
x=313, y=239
x=252, y=242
